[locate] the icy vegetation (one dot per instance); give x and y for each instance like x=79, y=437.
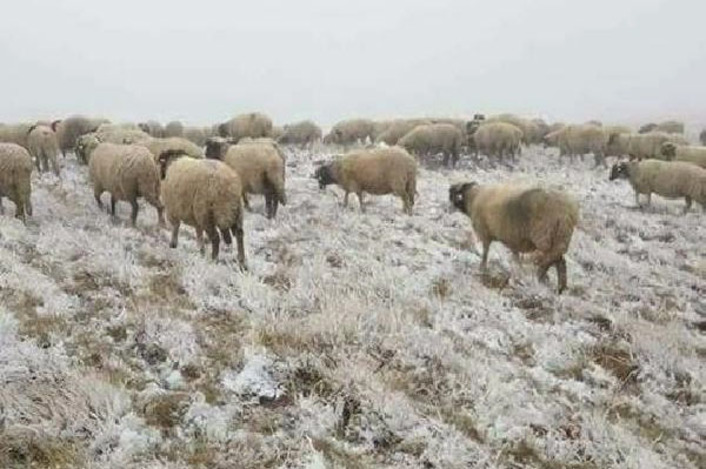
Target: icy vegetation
x=354, y=340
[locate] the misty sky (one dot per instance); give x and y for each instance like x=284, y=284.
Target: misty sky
x=204, y=61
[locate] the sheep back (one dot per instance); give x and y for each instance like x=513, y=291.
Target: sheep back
x=15, y=177
x=260, y=167
x=44, y=147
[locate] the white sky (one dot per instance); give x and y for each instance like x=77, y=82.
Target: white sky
x=204, y=61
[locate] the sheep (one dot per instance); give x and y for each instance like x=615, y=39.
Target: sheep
x=121, y=135
x=15, y=179
x=174, y=129
x=618, y=140
x=253, y=124
x=670, y=127
x=671, y=180
x=523, y=218
x=702, y=137
x=431, y=139
x=87, y=142
x=15, y=133
x=460, y=124
x=689, y=154
x=398, y=129
x=527, y=127
x=70, y=129
x=153, y=128
x=216, y=148
x=379, y=127
x=204, y=194
x=108, y=127
x=646, y=146
x=195, y=135
x=497, y=139
x=261, y=169
x=470, y=130
x=349, y=132
x=85, y=145
x=578, y=140
x=304, y=133
x=540, y=129
x=126, y=172
x=44, y=147
x=277, y=132
x=377, y=171
x=157, y=146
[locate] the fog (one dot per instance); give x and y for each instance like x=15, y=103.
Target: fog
x=205, y=61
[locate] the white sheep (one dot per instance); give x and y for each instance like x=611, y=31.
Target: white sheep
x=253, y=124
x=432, y=139
x=525, y=219
x=44, y=147
x=497, y=139
x=671, y=180
x=690, y=154
x=15, y=178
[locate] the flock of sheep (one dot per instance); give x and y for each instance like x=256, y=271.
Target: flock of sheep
x=202, y=176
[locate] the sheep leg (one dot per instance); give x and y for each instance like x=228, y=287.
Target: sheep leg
x=238, y=232
x=215, y=241
x=246, y=202
x=113, y=200
x=360, y=201
x=688, y=201
x=649, y=199
x=20, y=213
x=45, y=162
x=199, y=240
x=345, y=199
x=560, y=266
x=175, y=234
x=637, y=199
x=37, y=164
x=225, y=234
x=135, y=209
x=484, y=259
x=97, y=191
x=2, y=209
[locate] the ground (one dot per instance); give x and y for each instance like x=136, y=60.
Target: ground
x=353, y=340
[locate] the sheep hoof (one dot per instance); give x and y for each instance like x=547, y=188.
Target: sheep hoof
x=173, y=245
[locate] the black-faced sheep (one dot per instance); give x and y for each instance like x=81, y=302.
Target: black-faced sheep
x=126, y=172
x=15, y=178
x=525, y=219
x=205, y=194
x=432, y=139
x=671, y=180
x=376, y=171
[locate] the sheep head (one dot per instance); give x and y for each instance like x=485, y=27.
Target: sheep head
x=458, y=194
x=669, y=150
x=166, y=158
x=619, y=171
x=325, y=175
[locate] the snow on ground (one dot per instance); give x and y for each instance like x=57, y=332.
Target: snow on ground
x=354, y=340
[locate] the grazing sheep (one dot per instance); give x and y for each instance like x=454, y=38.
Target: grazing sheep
x=646, y=146
x=304, y=133
x=15, y=133
x=70, y=129
x=277, y=132
x=377, y=171
x=688, y=154
x=670, y=127
x=260, y=167
x=195, y=135
x=398, y=129
x=15, y=179
x=497, y=139
x=539, y=129
x=671, y=180
x=204, y=194
x=253, y=124
x=44, y=147
x=579, y=140
x=432, y=139
x=174, y=129
x=618, y=140
x=525, y=219
x=647, y=128
x=157, y=146
x=86, y=143
x=350, y=132
x=126, y=172
x=460, y=124
x=378, y=128
x=472, y=127
x=153, y=128
x=527, y=127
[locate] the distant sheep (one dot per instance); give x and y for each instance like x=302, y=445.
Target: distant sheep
x=70, y=129
x=398, y=129
x=204, y=194
x=157, y=146
x=126, y=172
x=498, y=139
x=174, y=129
x=376, y=171
x=525, y=219
x=379, y=127
x=670, y=127
x=15, y=133
x=579, y=140
x=195, y=135
x=671, y=180
x=646, y=146
x=303, y=133
x=261, y=169
x=153, y=128
x=44, y=147
x=253, y=124
x=527, y=127
x=689, y=154
x=15, y=179
x=432, y=139
x=350, y=132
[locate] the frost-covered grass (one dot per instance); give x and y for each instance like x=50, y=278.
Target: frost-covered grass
x=353, y=340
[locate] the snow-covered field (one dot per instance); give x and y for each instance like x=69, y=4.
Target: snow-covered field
x=354, y=340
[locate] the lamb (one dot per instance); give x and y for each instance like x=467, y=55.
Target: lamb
x=431, y=139
x=253, y=124
x=15, y=179
x=377, y=171
x=304, y=133
x=350, y=132
x=671, y=180
x=689, y=154
x=398, y=129
x=126, y=172
x=523, y=218
x=497, y=139
x=153, y=128
x=204, y=194
x=70, y=129
x=261, y=169
x=44, y=147
x=174, y=129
